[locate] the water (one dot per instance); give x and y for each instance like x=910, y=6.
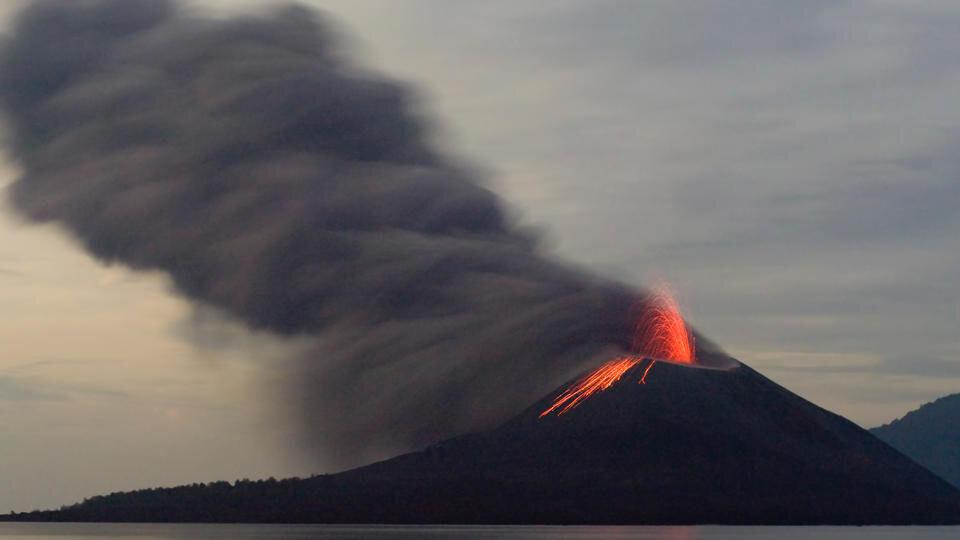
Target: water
x=159, y=531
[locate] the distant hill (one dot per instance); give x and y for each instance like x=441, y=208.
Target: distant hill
x=930, y=436
x=689, y=446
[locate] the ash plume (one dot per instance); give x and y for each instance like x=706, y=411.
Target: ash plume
x=275, y=181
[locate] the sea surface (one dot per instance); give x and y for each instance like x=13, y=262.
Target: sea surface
x=162, y=531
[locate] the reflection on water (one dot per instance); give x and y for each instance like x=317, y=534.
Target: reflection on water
x=158, y=531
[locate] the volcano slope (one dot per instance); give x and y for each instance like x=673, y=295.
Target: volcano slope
x=690, y=446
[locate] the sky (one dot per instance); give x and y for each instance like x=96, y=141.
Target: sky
x=790, y=168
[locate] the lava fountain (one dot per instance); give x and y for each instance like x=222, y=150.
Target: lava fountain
x=661, y=334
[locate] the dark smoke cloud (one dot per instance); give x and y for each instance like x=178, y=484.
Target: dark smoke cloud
x=274, y=181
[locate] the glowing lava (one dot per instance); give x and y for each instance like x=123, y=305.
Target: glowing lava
x=598, y=381
x=661, y=334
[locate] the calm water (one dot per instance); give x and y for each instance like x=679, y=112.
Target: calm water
x=97, y=531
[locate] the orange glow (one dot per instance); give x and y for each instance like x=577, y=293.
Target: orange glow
x=643, y=379
x=661, y=334
x=597, y=381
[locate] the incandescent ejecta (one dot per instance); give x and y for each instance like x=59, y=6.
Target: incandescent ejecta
x=661, y=334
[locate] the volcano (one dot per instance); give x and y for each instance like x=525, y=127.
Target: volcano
x=691, y=445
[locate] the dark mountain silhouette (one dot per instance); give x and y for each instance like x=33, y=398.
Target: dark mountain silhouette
x=689, y=446
x=930, y=436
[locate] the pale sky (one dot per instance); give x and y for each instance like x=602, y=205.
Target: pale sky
x=790, y=167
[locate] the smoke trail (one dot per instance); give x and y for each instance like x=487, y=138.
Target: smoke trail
x=271, y=179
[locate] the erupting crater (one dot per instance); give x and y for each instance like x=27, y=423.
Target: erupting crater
x=661, y=335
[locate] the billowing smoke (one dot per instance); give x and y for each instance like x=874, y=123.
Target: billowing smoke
x=276, y=182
